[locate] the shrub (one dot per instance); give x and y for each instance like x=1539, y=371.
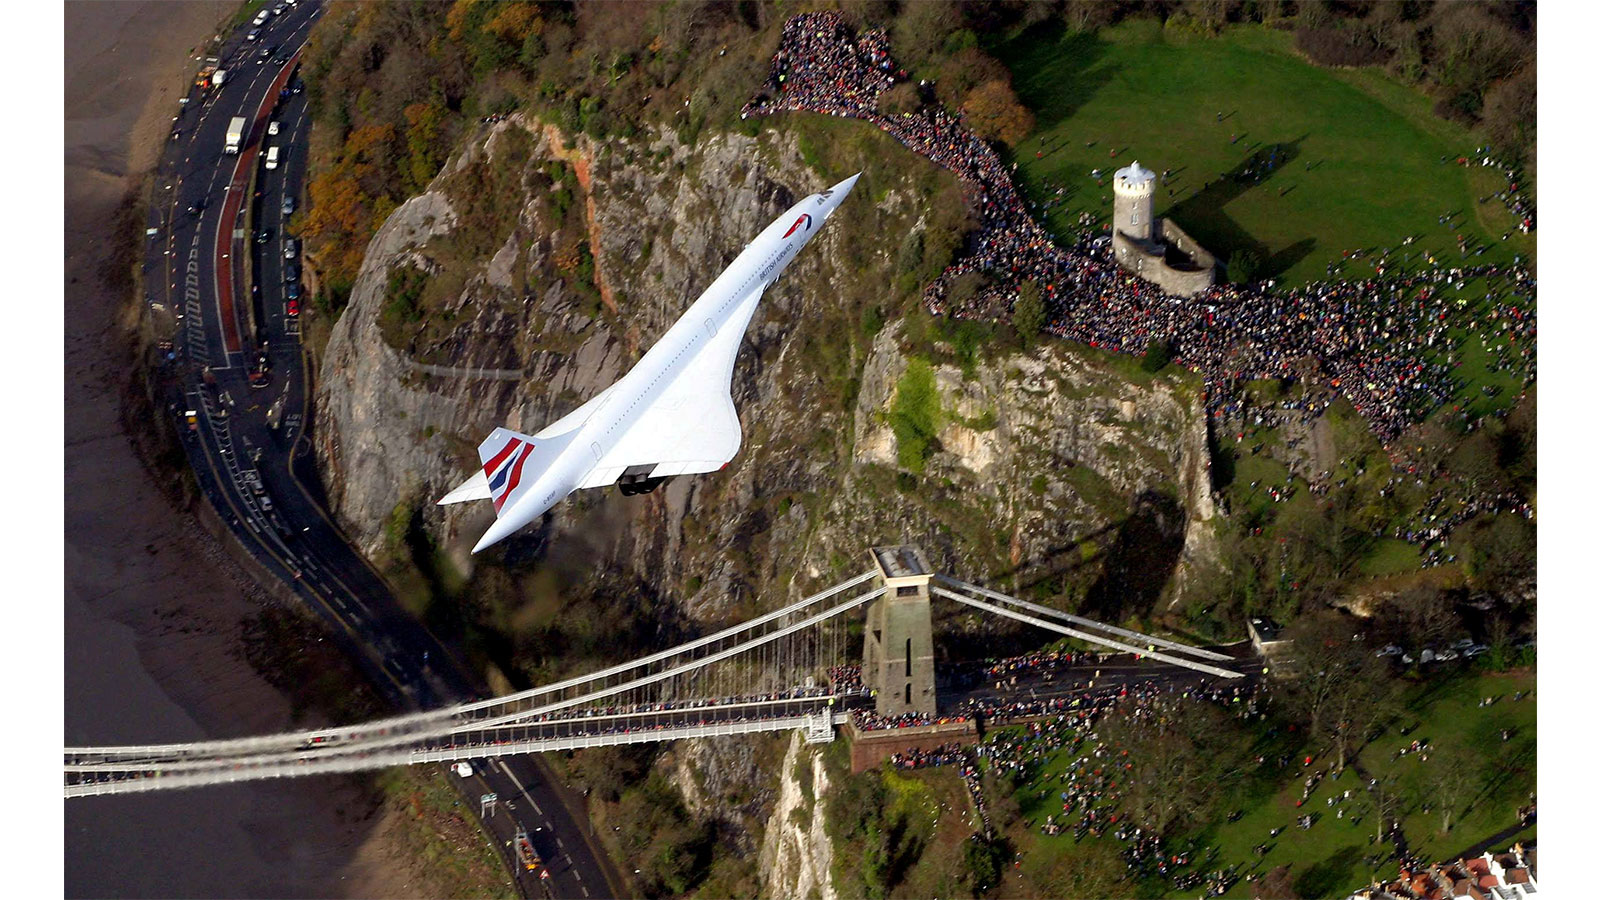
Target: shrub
x=1156, y=355
x=914, y=415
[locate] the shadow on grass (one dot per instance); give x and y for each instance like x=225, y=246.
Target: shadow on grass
x=1055, y=71
x=1331, y=876
x=1204, y=216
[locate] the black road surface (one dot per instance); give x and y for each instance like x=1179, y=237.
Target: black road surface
x=248, y=442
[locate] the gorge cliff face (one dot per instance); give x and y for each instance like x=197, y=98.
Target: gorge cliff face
x=1034, y=451
x=535, y=271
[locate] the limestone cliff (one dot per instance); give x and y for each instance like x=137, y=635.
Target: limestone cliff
x=1054, y=472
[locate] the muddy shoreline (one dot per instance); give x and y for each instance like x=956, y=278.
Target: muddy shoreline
x=154, y=608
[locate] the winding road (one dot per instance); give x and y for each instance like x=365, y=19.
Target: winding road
x=224, y=294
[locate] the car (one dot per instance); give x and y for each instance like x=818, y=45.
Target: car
x=177, y=133
x=266, y=503
x=278, y=10
x=197, y=207
x=297, y=86
x=291, y=308
x=1475, y=650
x=291, y=272
x=1406, y=658
x=1428, y=656
x=293, y=290
x=288, y=248
x=253, y=35
x=272, y=128
x=264, y=235
x=1463, y=644
x=288, y=205
x=1391, y=650
x=1446, y=655
x=280, y=59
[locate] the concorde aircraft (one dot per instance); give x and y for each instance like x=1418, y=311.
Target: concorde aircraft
x=672, y=414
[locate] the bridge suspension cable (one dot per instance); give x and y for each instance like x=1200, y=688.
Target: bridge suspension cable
x=1072, y=632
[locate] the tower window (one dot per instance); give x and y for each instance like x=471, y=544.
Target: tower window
x=908, y=657
x=1135, y=217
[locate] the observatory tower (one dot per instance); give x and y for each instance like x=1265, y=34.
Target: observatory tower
x=1135, y=189
x=1152, y=248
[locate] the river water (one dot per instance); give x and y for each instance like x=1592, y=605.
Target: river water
x=152, y=609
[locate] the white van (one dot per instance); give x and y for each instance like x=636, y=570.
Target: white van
x=272, y=157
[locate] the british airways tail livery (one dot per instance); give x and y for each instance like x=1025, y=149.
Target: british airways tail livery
x=672, y=414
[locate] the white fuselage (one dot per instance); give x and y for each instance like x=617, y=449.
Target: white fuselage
x=728, y=303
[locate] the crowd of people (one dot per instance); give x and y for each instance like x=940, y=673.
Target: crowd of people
x=1385, y=341
x=1092, y=785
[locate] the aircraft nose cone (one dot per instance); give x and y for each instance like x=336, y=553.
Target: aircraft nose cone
x=842, y=189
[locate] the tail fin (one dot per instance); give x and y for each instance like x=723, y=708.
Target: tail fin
x=511, y=461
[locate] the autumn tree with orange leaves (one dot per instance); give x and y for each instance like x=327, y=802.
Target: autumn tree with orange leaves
x=993, y=112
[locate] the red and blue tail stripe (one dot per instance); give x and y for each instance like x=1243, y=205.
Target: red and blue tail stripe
x=504, y=470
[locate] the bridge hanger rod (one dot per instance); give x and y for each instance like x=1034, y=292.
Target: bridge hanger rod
x=674, y=672
x=1062, y=629
x=416, y=723
x=1079, y=620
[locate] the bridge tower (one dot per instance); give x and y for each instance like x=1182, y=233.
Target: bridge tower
x=897, y=656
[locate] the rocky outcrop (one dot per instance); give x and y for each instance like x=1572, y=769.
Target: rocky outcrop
x=1040, y=463
x=797, y=855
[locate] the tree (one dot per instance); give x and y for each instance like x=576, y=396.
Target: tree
x=1027, y=315
x=1341, y=690
x=902, y=98
x=1454, y=781
x=1243, y=266
x=1088, y=15
x=993, y=112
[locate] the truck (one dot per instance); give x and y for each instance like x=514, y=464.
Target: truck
x=235, y=135
x=272, y=157
x=218, y=77
x=526, y=856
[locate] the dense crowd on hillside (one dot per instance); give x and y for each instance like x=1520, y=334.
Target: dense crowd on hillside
x=1382, y=341
x=1092, y=785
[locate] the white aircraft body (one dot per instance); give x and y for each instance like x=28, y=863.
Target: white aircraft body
x=672, y=414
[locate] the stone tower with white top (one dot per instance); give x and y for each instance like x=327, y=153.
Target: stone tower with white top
x=1135, y=209
x=1155, y=249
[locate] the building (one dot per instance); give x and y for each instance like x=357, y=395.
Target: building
x=1492, y=876
x=1155, y=249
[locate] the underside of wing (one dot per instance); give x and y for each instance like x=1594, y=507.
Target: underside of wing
x=693, y=427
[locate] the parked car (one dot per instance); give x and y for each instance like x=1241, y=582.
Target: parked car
x=1447, y=654
x=291, y=307
x=272, y=127
x=288, y=248
x=1391, y=650
x=292, y=291
x=1428, y=656
x=1463, y=644
x=1475, y=650
x=291, y=272
x=288, y=205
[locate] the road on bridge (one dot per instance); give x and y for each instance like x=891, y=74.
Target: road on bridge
x=226, y=296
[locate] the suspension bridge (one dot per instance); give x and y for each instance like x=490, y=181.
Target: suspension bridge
x=790, y=669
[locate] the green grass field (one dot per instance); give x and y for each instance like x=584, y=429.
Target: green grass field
x=1331, y=858
x=1360, y=153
